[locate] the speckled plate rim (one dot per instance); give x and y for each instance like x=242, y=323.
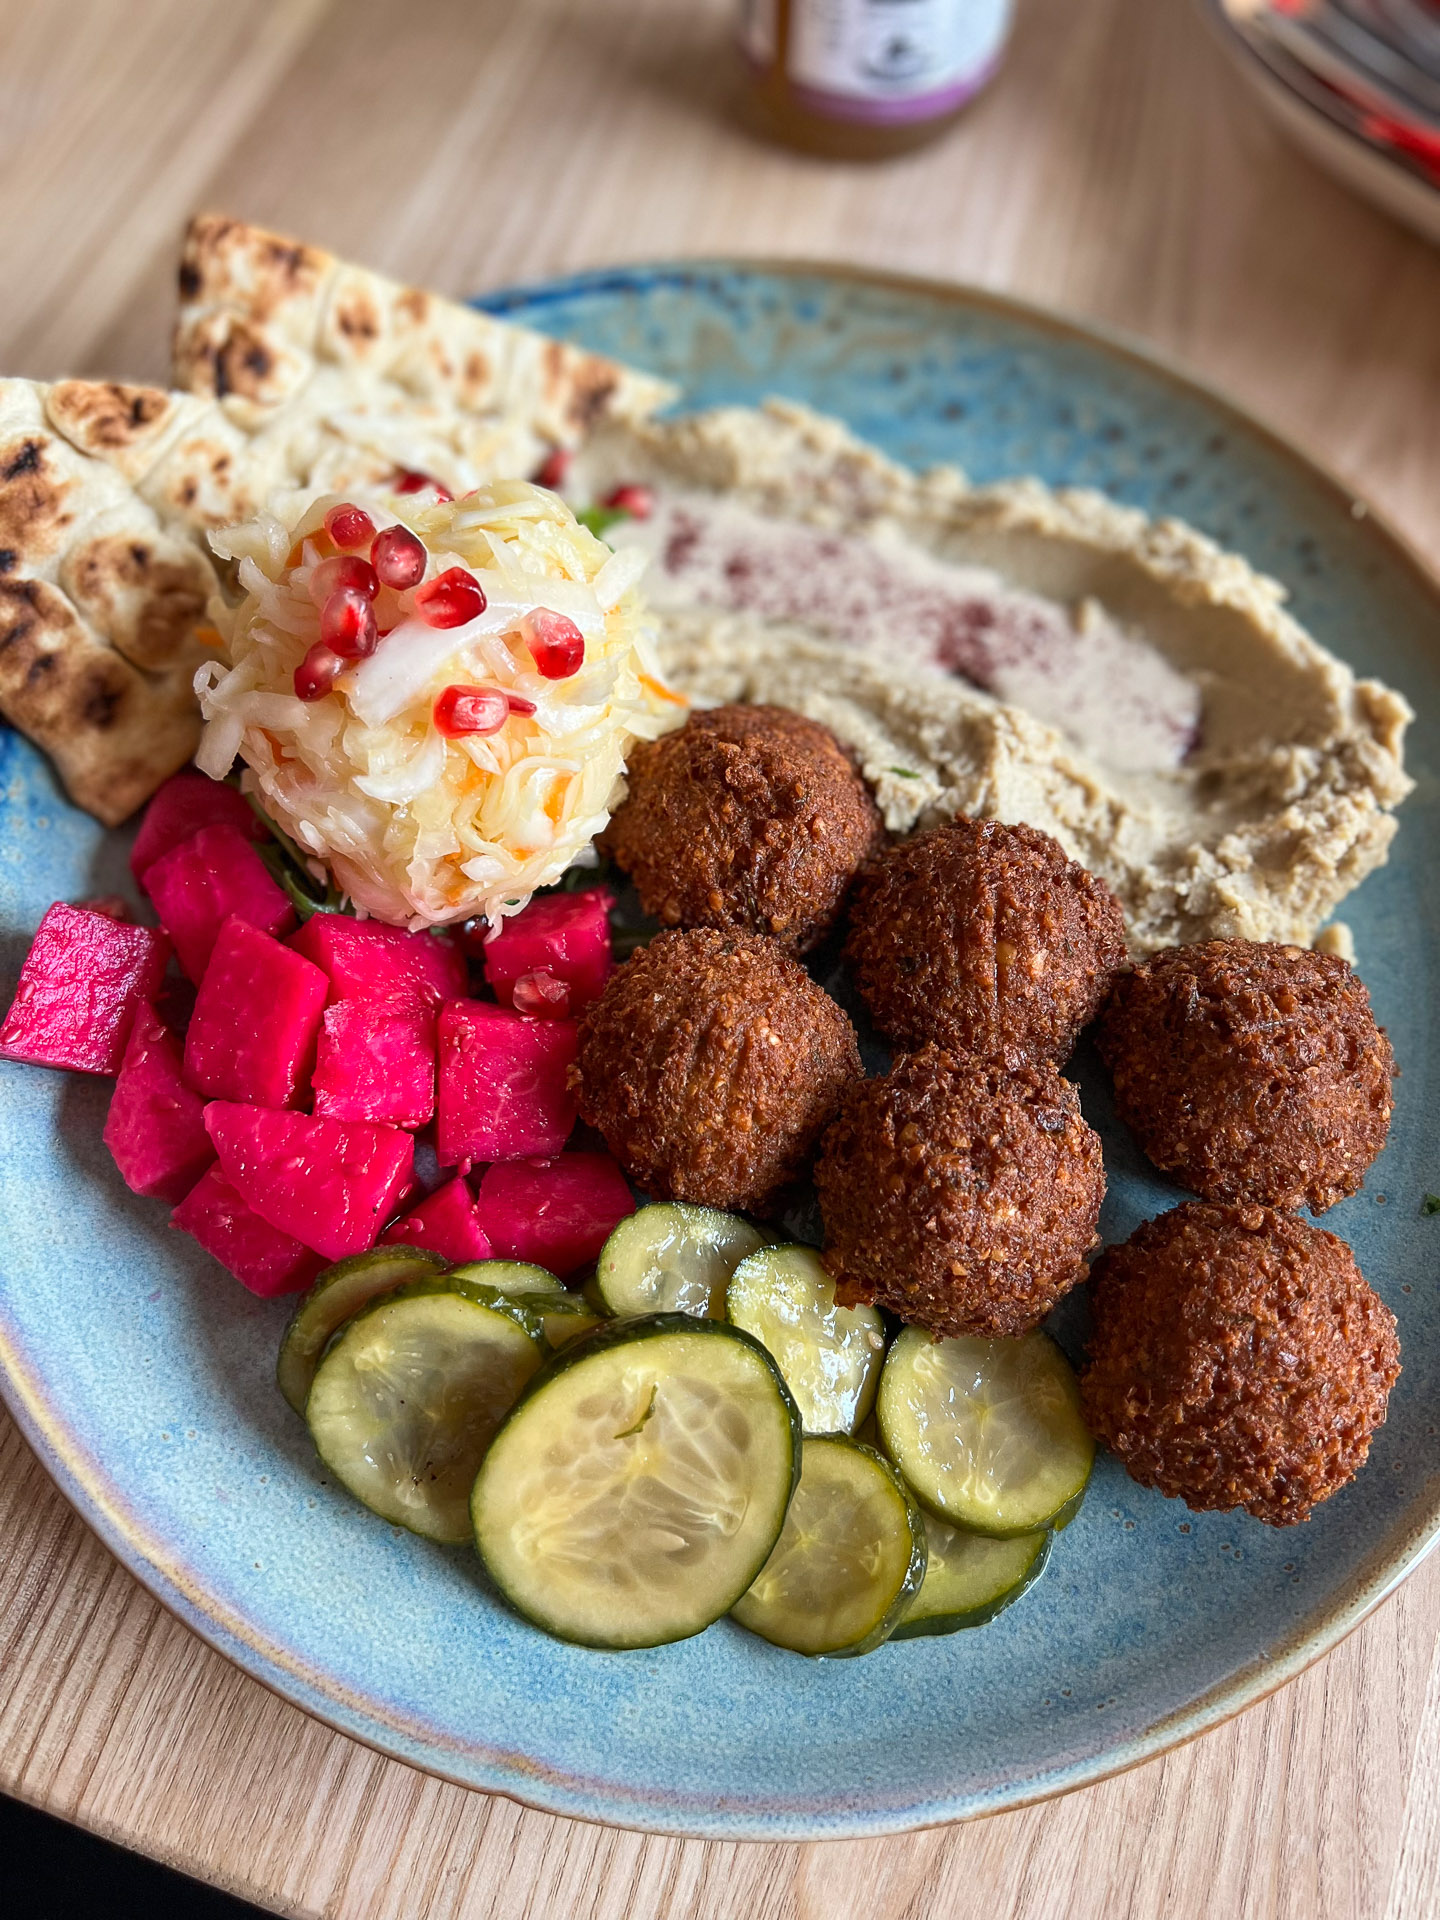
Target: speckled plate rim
x=173, y=1584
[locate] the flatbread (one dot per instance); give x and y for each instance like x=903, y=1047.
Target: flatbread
x=285, y=337
x=99, y=602
x=303, y=375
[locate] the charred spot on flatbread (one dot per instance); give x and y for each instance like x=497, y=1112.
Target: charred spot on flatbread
x=113, y=733
x=592, y=386
x=224, y=258
x=146, y=595
x=105, y=416
x=357, y=318
x=34, y=502
x=229, y=360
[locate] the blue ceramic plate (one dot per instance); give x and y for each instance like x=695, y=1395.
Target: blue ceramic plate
x=141, y=1372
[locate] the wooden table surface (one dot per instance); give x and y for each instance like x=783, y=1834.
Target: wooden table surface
x=1117, y=171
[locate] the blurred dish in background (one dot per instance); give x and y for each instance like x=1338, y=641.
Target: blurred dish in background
x=1356, y=83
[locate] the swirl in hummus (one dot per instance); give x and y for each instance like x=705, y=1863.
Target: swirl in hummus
x=1021, y=653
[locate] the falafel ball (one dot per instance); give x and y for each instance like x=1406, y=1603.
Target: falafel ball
x=960, y=1194
x=1250, y=1071
x=1238, y=1359
x=747, y=817
x=711, y=1064
x=985, y=939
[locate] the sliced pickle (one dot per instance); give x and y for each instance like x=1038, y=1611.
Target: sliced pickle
x=510, y=1276
x=850, y=1557
x=673, y=1258
x=970, y=1577
x=988, y=1433
x=637, y=1489
x=339, y=1292
x=830, y=1356
x=409, y=1396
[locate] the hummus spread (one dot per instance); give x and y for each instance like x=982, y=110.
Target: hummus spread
x=1021, y=653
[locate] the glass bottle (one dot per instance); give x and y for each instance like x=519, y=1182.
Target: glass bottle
x=863, y=79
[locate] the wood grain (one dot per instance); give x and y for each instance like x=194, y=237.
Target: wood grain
x=1119, y=172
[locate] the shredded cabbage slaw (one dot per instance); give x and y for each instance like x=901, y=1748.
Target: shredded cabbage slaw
x=417, y=828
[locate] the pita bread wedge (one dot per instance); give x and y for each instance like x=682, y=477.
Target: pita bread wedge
x=100, y=602
x=270, y=326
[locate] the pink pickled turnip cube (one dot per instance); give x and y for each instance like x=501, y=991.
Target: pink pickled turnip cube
x=447, y=1223
x=558, y=1213
x=213, y=876
x=502, y=1090
x=330, y=1183
x=252, y=1034
x=367, y=960
x=187, y=802
x=260, y=1256
x=156, y=1126
x=83, y=980
x=375, y=1060
x=563, y=935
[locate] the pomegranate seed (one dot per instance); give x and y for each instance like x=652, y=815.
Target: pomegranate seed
x=411, y=480
x=464, y=710
x=556, y=644
x=541, y=993
x=315, y=675
x=553, y=468
x=399, y=558
x=349, y=527
x=637, y=501
x=346, y=572
x=450, y=599
x=347, y=625
x=519, y=704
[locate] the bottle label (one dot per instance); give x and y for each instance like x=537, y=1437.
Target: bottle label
x=887, y=61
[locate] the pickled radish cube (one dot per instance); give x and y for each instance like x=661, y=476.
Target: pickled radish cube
x=332, y=1184
x=155, y=1129
x=367, y=960
x=558, y=1213
x=447, y=1223
x=83, y=981
x=252, y=1034
x=564, y=935
x=502, y=1091
x=260, y=1256
x=202, y=883
x=375, y=1060
x=187, y=802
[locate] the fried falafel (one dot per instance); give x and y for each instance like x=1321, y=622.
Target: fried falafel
x=960, y=1194
x=711, y=1063
x=1251, y=1072
x=747, y=817
x=984, y=938
x=1238, y=1359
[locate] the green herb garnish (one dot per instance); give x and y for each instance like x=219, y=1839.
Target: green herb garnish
x=906, y=773
x=1431, y=1203
x=291, y=869
x=600, y=519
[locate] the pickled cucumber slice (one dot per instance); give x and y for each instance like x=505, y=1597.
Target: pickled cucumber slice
x=673, y=1258
x=638, y=1487
x=339, y=1292
x=563, y=1317
x=408, y=1398
x=830, y=1356
x=988, y=1433
x=970, y=1577
x=850, y=1558
x=510, y=1276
